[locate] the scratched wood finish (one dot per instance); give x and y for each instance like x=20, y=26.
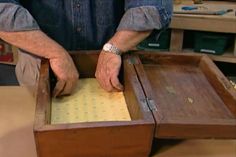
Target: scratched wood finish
x=103, y=139
x=193, y=98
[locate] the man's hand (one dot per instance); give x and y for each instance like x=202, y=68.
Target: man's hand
x=38, y=43
x=107, y=72
x=66, y=73
x=109, y=64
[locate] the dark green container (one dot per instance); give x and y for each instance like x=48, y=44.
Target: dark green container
x=156, y=41
x=211, y=43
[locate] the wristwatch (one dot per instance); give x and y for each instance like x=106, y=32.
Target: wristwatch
x=108, y=47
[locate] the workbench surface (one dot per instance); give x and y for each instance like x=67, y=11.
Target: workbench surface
x=209, y=6
x=16, y=136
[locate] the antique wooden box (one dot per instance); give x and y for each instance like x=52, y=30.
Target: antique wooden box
x=168, y=96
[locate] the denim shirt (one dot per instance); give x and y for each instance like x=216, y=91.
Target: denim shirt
x=83, y=24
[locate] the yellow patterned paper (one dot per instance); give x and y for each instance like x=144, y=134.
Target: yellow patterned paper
x=90, y=103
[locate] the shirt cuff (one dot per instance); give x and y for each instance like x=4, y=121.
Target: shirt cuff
x=16, y=18
x=141, y=19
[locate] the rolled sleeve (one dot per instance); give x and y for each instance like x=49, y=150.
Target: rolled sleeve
x=14, y=17
x=144, y=15
x=140, y=19
x=139, y=3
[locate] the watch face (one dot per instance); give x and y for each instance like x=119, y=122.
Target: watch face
x=107, y=47
x=111, y=49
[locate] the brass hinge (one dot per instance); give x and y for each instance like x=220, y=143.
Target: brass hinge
x=151, y=104
x=132, y=60
x=145, y=105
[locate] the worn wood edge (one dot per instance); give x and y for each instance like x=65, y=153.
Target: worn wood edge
x=42, y=102
x=200, y=121
x=220, y=83
x=158, y=54
x=183, y=131
x=92, y=125
x=146, y=87
x=137, y=87
x=216, y=128
x=43, y=97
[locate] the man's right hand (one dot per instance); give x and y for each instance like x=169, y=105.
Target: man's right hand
x=66, y=73
x=38, y=43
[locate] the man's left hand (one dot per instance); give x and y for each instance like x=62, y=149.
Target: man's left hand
x=107, y=72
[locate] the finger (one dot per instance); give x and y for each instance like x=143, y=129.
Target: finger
x=103, y=73
x=116, y=83
x=69, y=87
x=103, y=82
x=58, y=88
x=98, y=77
x=108, y=86
x=103, y=79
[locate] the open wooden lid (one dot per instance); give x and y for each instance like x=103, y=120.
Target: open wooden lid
x=188, y=95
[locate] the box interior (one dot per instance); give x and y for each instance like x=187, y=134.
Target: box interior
x=86, y=65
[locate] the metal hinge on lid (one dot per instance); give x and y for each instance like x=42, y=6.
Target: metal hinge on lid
x=133, y=60
x=151, y=104
x=145, y=105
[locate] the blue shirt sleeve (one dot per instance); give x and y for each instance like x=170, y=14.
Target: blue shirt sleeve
x=14, y=17
x=140, y=19
x=144, y=15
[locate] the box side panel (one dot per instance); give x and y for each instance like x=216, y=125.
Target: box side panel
x=86, y=63
x=220, y=83
x=42, y=111
x=125, y=141
x=197, y=131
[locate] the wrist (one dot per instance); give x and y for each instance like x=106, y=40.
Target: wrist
x=111, y=48
x=57, y=52
x=126, y=40
x=119, y=45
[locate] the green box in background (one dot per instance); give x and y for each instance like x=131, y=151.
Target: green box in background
x=211, y=43
x=156, y=41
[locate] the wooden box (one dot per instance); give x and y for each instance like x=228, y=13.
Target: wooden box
x=167, y=95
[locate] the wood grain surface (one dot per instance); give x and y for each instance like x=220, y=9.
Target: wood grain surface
x=193, y=98
x=16, y=137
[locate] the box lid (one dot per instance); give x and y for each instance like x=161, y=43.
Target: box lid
x=188, y=95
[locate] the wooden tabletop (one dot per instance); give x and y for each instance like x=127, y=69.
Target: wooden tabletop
x=17, y=107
